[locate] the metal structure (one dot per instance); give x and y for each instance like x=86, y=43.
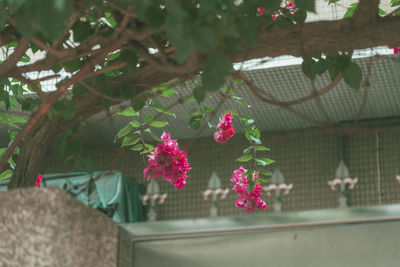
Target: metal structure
x=278, y=185
x=214, y=189
x=342, y=179
x=152, y=195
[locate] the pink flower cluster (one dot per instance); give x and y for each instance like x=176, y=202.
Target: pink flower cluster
x=289, y=5
x=396, y=50
x=38, y=180
x=226, y=129
x=168, y=162
x=247, y=201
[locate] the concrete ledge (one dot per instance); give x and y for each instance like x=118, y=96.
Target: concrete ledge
x=48, y=227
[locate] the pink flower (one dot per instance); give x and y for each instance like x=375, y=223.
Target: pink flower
x=168, y=162
x=396, y=50
x=290, y=5
x=38, y=180
x=260, y=11
x=245, y=200
x=226, y=129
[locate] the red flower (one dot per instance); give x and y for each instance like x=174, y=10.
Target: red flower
x=396, y=50
x=245, y=200
x=38, y=180
x=168, y=162
x=226, y=129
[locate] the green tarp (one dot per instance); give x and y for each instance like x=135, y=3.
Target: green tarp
x=109, y=191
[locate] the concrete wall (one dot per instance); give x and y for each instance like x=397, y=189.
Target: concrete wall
x=48, y=227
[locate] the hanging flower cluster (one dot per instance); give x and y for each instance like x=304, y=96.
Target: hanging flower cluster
x=226, y=129
x=396, y=50
x=38, y=180
x=168, y=162
x=246, y=200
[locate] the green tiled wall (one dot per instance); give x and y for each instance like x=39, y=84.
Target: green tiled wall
x=307, y=158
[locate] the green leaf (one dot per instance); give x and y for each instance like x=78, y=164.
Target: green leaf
x=82, y=30
x=149, y=148
x=318, y=68
x=199, y=94
x=264, y=161
x=248, y=150
x=29, y=104
x=47, y=17
x=251, y=186
x=128, y=112
x=138, y=103
x=261, y=148
x=306, y=66
x=25, y=59
x=232, y=111
x=131, y=58
x=130, y=140
x=333, y=67
x=244, y=158
x=189, y=100
x=149, y=118
x=394, y=3
x=216, y=68
x=160, y=107
x=6, y=174
x=124, y=131
x=72, y=65
x=255, y=139
x=137, y=147
x=193, y=111
x=135, y=124
x=350, y=10
x=265, y=173
x=168, y=92
x=158, y=124
x=352, y=75
x=155, y=137
x=195, y=122
x=246, y=120
x=307, y=5
x=3, y=94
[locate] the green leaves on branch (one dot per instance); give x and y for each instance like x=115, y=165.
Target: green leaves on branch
x=130, y=140
x=46, y=17
x=352, y=75
x=253, y=134
x=255, y=148
x=334, y=64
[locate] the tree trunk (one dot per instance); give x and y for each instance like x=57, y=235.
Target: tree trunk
x=30, y=161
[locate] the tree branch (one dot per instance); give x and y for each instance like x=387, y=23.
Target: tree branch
x=52, y=98
x=10, y=62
